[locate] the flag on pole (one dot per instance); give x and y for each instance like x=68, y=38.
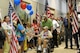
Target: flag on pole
x=47, y=10
x=14, y=42
x=75, y=22
x=75, y=17
x=37, y=15
x=12, y=13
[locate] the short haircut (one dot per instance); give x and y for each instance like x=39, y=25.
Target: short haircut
x=5, y=17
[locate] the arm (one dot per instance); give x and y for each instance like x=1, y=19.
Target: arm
x=18, y=34
x=4, y=26
x=50, y=35
x=22, y=31
x=58, y=27
x=39, y=35
x=21, y=28
x=52, y=29
x=6, y=34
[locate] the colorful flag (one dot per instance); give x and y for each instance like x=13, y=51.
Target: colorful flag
x=14, y=42
x=75, y=22
x=75, y=17
x=12, y=13
x=47, y=10
x=37, y=15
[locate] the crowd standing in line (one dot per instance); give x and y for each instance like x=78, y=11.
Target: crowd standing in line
x=37, y=33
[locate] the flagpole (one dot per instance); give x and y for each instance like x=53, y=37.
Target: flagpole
x=46, y=5
x=36, y=8
x=15, y=11
x=30, y=19
x=75, y=5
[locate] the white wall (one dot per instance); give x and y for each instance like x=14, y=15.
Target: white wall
x=58, y=5
x=4, y=7
x=40, y=1
x=52, y=3
x=64, y=8
x=78, y=6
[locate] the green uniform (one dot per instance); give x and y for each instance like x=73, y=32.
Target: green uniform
x=48, y=23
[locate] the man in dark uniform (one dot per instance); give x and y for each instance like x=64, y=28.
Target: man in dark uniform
x=68, y=32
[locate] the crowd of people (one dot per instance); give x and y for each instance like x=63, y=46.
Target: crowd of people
x=37, y=33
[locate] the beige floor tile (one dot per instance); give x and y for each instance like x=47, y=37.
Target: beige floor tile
x=59, y=50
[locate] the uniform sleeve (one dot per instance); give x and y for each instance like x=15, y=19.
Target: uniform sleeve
x=57, y=24
x=17, y=33
x=51, y=24
x=20, y=27
x=41, y=34
x=4, y=25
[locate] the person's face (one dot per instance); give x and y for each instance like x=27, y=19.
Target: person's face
x=52, y=15
x=59, y=18
x=7, y=19
x=35, y=22
x=45, y=19
x=62, y=19
x=45, y=30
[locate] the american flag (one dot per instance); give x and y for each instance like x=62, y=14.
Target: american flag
x=37, y=15
x=14, y=41
x=12, y=13
x=47, y=10
x=75, y=17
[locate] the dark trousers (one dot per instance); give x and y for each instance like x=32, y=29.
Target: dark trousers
x=79, y=32
x=76, y=39
x=54, y=33
x=35, y=40
x=68, y=35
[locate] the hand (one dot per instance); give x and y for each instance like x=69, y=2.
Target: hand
x=18, y=36
x=47, y=37
x=8, y=40
x=36, y=35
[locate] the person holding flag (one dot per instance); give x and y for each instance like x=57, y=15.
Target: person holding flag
x=14, y=41
x=75, y=25
x=7, y=29
x=2, y=38
x=20, y=34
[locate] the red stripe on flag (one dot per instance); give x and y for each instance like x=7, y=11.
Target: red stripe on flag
x=75, y=22
x=14, y=42
x=14, y=16
x=75, y=18
x=76, y=15
x=73, y=30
